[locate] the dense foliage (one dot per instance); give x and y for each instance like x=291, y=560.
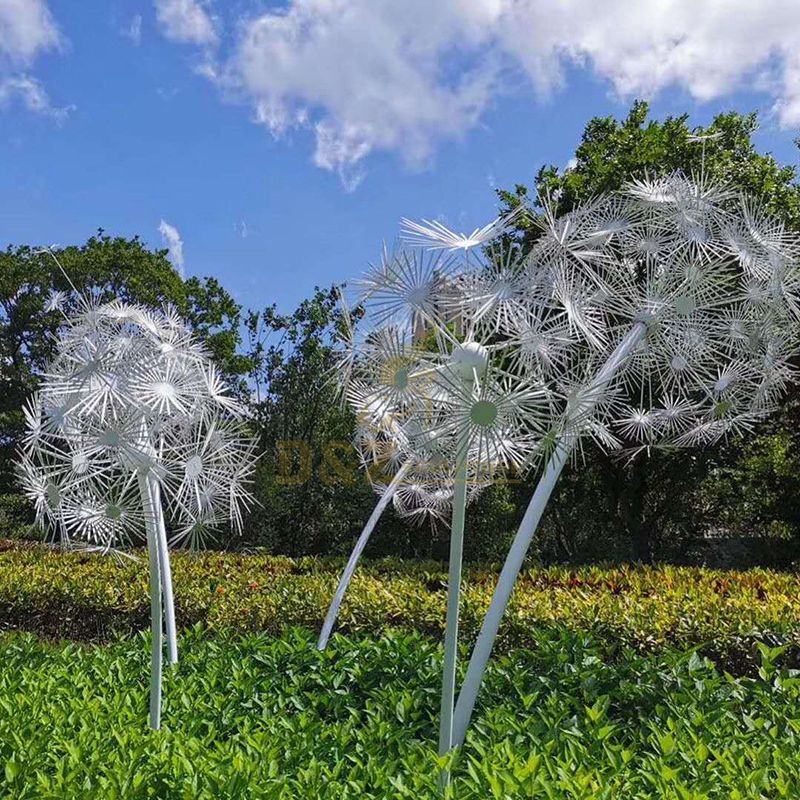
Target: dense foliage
x=253, y=717
x=90, y=598
x=309, y=483
x=314, y=495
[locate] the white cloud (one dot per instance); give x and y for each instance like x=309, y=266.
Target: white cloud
x=30, y=92
x=133, y=31
x=370, y=75
x=185, y=21
x=709, y=49
x=171, y=239
x=366, y=75
x=27, y=28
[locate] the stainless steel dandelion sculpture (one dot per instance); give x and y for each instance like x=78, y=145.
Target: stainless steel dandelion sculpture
x=132, y=434
x=664, y=315
x=696, y=290
x=435, y=396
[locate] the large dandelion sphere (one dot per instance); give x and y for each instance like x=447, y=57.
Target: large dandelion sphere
x=132, y=437
x=131, y=396
x=663, y=315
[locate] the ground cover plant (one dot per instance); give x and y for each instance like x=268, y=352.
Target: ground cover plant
x=259, y=717
x=613, y=682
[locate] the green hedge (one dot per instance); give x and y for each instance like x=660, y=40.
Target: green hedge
x=89, y=597
x=612, y=701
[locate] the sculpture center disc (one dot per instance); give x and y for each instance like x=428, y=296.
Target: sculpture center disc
x=53, y=495
x=111, y=438
x=80, y=463
x=483, y=413
x=469, y=358
x=685, y=305
x=723, y=384
x=401, y=378
x=418, y=296
x=164, y=390
x=194, y=467
x=679, y=363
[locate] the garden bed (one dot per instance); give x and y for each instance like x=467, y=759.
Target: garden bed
x=91, y=598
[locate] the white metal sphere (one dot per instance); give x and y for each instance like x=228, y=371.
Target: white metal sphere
x=469, y=359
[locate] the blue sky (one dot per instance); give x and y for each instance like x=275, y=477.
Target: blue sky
x=123, y=114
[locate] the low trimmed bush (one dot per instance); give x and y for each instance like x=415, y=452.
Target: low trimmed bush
x=88, y=597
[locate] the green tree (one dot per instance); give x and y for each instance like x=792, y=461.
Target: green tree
x=653, y=502
x=758, y=487
x=311, y=490
x=614, y=151
x=314, y=496
x=105, y=267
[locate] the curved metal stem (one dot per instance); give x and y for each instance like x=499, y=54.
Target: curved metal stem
x=151, y=523
x=166, y=576
x=530, y=522
x=361, y=543
x=453, y=602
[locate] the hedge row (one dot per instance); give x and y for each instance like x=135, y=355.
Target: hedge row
x=89, y=597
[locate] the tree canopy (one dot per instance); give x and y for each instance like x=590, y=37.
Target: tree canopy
x=313, y=496
x=106, y=266
x=613, y=151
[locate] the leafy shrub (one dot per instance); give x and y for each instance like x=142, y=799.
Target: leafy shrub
x=16, y=517
x=253, y=717
x=89, y=597
x=759, y=489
